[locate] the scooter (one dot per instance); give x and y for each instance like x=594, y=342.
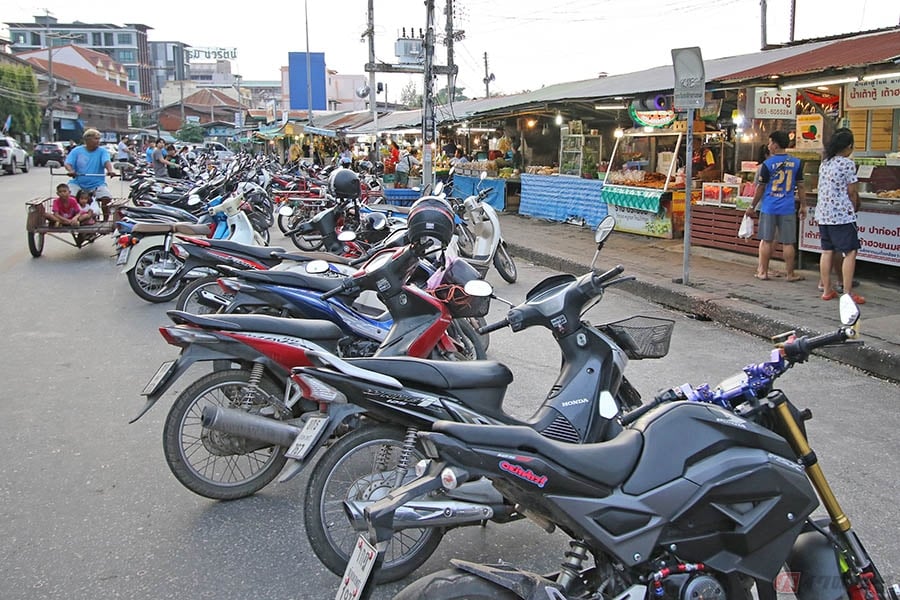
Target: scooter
x=150, y=268
x=481, y=242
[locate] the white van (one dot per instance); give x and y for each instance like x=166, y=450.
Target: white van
x=218, y=150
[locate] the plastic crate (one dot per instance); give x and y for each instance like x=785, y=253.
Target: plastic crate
x=400, y=197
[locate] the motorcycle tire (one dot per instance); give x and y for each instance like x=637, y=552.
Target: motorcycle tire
x=504, y=264
x=308, y=243
x=465, y=241
x=205, y=461
x=345, y=472
x=192, y=298
x=477, y=323
x=468, y=341
x=150, y=288
x=453, y=584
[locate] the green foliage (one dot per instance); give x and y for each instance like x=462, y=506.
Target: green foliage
x=143, y=120
x=190, y=132
x=19, y=98
x=409, y=96
x=443, y=95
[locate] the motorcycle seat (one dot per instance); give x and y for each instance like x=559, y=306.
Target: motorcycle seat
x=390, y=208
x=311, y=329
x=260, y=252
x=310, y=256
x=294, y=279
x=607, y=463
x=440, y=374
x=185, y=228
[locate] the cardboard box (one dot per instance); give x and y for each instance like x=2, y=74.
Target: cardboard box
x=682, y=126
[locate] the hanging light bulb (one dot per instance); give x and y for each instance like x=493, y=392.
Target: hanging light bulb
x=558, y=119
x=619, y=132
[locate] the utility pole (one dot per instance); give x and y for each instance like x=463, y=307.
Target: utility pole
x=309, y=109
x=373, y=91
x=762, y=23
x=793, y=18
x=488, y=78
x=451, y=78
x=428, y=95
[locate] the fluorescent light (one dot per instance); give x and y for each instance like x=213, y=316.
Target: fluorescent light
x=874, y=76
x=619, y=132
x=559, y=119
x=812, y=84
x=609, y=106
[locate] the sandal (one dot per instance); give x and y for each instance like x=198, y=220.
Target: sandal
x=830, y=295
x=858, y=299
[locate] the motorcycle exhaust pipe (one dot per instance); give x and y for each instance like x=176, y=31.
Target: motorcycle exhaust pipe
x=245, y=425
x=423, y=513
x=161, y=272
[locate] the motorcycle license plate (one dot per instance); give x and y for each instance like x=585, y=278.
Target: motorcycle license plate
x=306, y=438
x=358, y=570
x=161, y=374
x=123, y=256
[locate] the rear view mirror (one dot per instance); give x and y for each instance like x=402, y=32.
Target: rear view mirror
x=479, y=288
x=346, y=236
x=849, y=310
x=285, y=211
x=438, y=188
x=194, y=200
x=53, y=164
x=605, y=227
x=483, y=175
x=315, y=267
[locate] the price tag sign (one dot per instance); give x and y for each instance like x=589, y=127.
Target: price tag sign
x=690, y=78
x=865, y=171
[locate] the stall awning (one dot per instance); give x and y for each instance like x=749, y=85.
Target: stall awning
x=645, y=199
x=319, y=131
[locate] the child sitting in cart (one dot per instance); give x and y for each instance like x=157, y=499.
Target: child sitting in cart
x=84, y=205
x=65, y=210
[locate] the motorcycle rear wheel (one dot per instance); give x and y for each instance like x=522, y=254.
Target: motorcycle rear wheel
x=504, y=264
x=199, y=457
x=148, y=287
x=192, y=298
x=453, y=584
x=350, y=470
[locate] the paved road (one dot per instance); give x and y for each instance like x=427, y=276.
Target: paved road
x=89, y=509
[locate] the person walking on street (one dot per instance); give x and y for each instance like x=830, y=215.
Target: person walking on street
x=836, y=213
x=158, y=160
x=779, y=184
x=406, y=163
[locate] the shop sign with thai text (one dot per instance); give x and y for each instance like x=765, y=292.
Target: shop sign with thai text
x=879, y=236
x=880, y=93
x=772, y=103
x=210, y=54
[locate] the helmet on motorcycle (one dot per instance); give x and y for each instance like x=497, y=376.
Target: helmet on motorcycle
x=344, y=183
x=365, y=166
x=430, y=218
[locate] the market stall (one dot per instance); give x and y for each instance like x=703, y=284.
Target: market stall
x=562, y=198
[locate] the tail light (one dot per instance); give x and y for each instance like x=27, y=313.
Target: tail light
x=180, y=252
x=181, y=336
x=230, y=285
x=318, y=391
x=127, y=240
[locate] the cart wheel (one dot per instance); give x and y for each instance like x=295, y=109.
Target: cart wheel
x=35, y=243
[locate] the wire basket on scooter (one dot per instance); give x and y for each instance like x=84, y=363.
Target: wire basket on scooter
x=459, y=303
x=642, y=337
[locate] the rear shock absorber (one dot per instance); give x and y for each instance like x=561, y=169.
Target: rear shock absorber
x=570, y=569
x=252, y=390
x=409, y=444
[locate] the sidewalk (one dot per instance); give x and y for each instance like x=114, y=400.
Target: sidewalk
x=722, y=287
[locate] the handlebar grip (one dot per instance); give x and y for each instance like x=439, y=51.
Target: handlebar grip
x=604, y=277
x=493, y=326
x=669, y=395
x=799, y=349
x=347, y=285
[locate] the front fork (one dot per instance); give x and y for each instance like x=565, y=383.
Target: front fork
x=854, y=558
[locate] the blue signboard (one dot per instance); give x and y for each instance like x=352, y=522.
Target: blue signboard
x=297, y=75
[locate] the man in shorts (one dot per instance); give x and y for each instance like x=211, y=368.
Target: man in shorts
x=86, y=166
x=779, y=184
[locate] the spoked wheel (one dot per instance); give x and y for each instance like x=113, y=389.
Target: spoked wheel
x=453, y=584
x=150, y=285
x=203, y=297
x=468, y=343
x=309, y=242
x=504, y=263
x=364, y=465
x=35, y=243
x=213, y=464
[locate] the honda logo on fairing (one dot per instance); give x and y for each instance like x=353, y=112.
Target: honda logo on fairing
x=523, y=473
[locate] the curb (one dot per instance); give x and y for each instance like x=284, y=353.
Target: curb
x=732, y=313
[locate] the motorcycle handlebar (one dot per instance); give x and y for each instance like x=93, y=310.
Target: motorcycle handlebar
x=493, y=326
x=798, y=350
x=347, y=285
x=600, y=279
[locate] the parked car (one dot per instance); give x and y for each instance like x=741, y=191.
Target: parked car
x=13, y=156
x=218, y=150
x=46, y=151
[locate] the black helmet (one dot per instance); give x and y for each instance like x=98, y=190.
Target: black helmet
x=344, y=183
x=365, y=166
x=430, y=218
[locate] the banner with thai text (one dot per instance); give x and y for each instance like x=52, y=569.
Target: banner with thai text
x=211, y=54
x=772, y=103
x=880, y=93
x=879, y=236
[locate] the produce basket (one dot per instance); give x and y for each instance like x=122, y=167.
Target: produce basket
x=459, y=303
x=641, y=336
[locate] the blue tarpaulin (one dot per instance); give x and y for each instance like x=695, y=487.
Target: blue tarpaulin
x=464, y=186
x=562, y=198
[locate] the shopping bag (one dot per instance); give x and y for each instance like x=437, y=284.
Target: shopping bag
x=746, y=229
x=95, y=208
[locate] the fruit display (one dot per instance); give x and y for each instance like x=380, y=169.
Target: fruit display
x=634, y=178
x=539, y=170
x=890, y=194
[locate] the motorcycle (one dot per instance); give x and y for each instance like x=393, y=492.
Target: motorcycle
x=481, y=242
x=149, y=270
x=394, y=398
x=706, y=493
x=253, y=355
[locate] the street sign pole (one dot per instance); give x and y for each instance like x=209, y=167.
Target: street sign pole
x=690, y=93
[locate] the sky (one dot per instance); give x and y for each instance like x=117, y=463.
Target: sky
x=528, y=43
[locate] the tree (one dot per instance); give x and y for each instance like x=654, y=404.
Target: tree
x=409, y=96
x=190, y=132
x=443, y=95
x=19, y=99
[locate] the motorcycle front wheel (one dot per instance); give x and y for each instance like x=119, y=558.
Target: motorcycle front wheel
x=203, y=297
x=365, y=464
x=214, y=464
x=453, y=584
x=468, y=343
x=504, y=264
x=149, y=286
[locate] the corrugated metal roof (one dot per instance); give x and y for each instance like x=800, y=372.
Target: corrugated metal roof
x=859, y=51
x=87, y=82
